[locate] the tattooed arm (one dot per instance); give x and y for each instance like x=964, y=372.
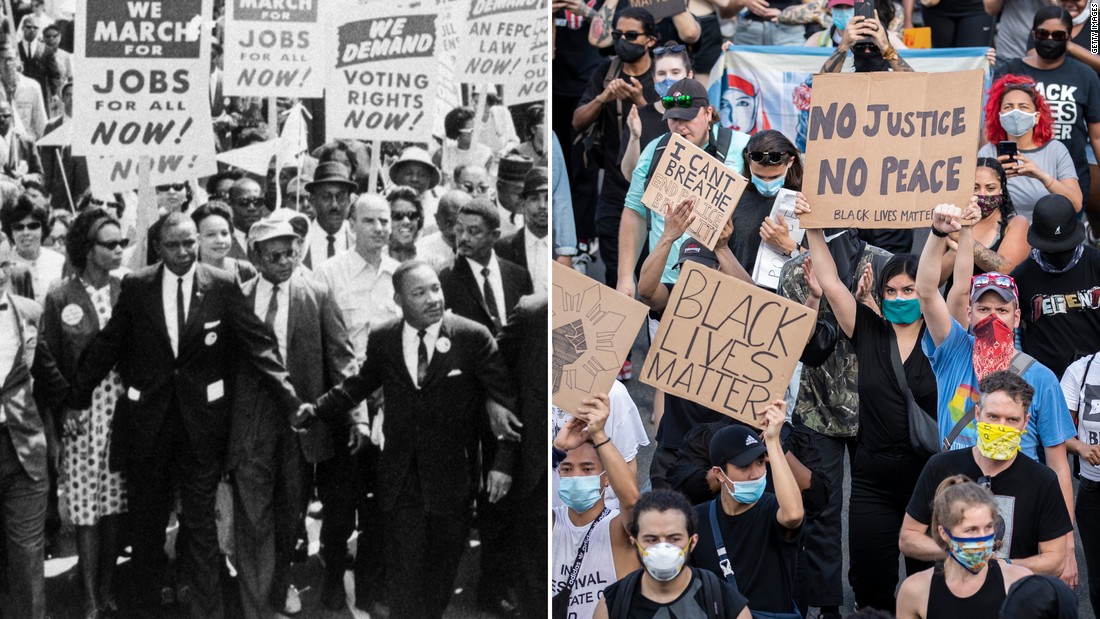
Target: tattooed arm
x=835, y=63
x=812, y=12
x=599, y=33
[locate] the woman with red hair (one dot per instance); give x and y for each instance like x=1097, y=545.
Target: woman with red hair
x=1016, y=112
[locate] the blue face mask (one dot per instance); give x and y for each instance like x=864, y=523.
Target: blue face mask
x=748, y=492
x=841, y=17
x=662, y=86
x=770, y=188
x=901, y=311
x=580, y=493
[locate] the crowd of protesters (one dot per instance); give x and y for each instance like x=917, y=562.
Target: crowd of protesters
x=320, y=343
x=984, y=329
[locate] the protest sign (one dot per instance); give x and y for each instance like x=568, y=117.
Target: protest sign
x=536, y=58
x=119, y=173
x=143, y=84
x=725, y=344
x=769, y=262
x=882, y=149
x=593, y=328
x=498, y=41
x=274, y=48
x=384, y=81
x=685, y=171
x=661, y=9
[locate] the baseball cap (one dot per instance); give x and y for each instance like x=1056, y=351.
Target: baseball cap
x=833, y=3
x=688, y=95
x=1039, y=597
x=1054, y=225
x=1000, y=283
x=694, y=251
x=736, y=444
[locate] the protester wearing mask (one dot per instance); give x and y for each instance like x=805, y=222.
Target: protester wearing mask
x=886, y=465
x=592, y=547
x=1071, y=88
x=974, y=582
x=671, y=63
x=663, y=533
x=834, y=16
x=749, y=537
x=1035, y=519
x=961, y=360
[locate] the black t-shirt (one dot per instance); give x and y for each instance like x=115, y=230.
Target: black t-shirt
x=574, y=58
x=761, y=551
x=750, y=212
x=688, y=606
x=1027, y=492
x=1060, y=312
x=1073, y=93
x=956, y=8
x=883, y=410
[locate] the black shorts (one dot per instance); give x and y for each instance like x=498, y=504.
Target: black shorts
x=709, y=47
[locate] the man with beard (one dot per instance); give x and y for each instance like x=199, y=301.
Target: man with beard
x=529, y=247
x=438, y=248
x=330, y=234
x=246, y=198
x=23, y=93
x=960, y=360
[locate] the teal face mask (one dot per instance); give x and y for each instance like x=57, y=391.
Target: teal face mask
x=580, y=493
x=770, y=188
x=901, y=311
x=748, y=492
x=841, y=17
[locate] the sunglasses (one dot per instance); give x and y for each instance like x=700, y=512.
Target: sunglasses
x=671, y=49
x=629, y=35
x=113, y=245
x=767, y=158
x=472, y=188
x=278, y=256
x=172, y=187
x=405, y=216
x=247, y=202
x=95, y=202
x=34, y=225
x=1042, y=34
x=677, y=100
x=1004, y=282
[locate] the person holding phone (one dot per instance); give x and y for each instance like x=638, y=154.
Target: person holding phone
x=1015, y=111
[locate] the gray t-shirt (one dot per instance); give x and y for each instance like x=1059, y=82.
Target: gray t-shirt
x=1052, y=158
x=1016, y=19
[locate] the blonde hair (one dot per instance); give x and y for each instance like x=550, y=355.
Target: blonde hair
x=954, y=496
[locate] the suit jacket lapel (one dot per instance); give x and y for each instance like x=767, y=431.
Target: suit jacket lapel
x=295, y=312
x=198, y=293
x=471, y=284
x=157, y=302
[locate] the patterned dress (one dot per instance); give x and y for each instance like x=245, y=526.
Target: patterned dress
x=92, y=489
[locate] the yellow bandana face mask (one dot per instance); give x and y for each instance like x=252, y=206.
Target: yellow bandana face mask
x=998, y=442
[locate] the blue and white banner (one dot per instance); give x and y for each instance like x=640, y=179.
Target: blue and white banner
x=761, y=87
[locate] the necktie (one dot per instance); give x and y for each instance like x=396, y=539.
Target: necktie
x=181, y=313
x=272, y=309
x=490, y=298
x=421, y=359
x=331, y=245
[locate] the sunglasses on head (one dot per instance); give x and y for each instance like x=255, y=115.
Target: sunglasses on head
x=671, y=49
x=767, y=158
x=112, y=245
x=677, y=100
x=34, y=225
x=1042, y=34
x=629, y=35
x=172, y=187
x=1004, y=282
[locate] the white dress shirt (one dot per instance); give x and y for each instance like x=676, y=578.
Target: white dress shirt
x=434, y=250
x=46, y=269
x=538, y=253
x=410, y=342
x=494, y=280
x=363, y=294
x=282, y=315
x=9, y=341
x=168, y=284
x=317, y=242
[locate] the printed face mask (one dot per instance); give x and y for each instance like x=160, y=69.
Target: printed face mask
x=988, y=204
x=973, y=553
x=663, y=561
x=1018, y=122
x=747, y=492
x=580, y=493
x=994, y=346
x=901, y=311
x=998, y=442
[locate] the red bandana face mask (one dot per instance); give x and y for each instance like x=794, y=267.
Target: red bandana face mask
x=994, y=346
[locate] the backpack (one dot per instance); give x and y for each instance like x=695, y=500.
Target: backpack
x=725, y=136
x=712, y=595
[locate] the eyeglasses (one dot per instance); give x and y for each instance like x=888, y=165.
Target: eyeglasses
x=251, y=202
x=1004, y=282
x=278, y=256
x=172, y=187
x=1042, y=34
x=177, y=245
x=985, y=482
x=677, y=100
x=405, y=216
x=113, y=245
x=629, y=35
x=34, y=225
x=767, y=158
x=472, y=188
x=96, y=202
x=671, y=49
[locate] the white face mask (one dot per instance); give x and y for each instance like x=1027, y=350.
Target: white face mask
x=1083, y=16
x=1018, y=122
x=663, y=561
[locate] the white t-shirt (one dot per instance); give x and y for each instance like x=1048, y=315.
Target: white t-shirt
x=597, y=569
x=1083, y=395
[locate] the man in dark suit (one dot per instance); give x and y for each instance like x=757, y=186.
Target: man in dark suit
x=440, y=375
x=19, y=156
x=529, y=247
x=66, y=175
x=176, y=334
x=270, y=463
x=480, y=286
x=32, y=55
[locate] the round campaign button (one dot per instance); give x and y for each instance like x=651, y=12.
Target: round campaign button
x=211, y=338
x=443, y=345
x=72, y=314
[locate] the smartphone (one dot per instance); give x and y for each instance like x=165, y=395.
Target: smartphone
x=1007, y=148
x=866, y=8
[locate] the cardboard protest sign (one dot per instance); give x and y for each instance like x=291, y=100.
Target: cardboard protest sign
x=536, y=58
x=725, y=344
x=274, y=48
x=593, y=328
x=661, y=9
x=882, y=149
x=684, y=171
x=143, y=80
x=497, y=41
x=384, y=81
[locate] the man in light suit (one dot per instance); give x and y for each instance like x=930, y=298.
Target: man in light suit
x=270, y=463
x=176, y=334
x=440, y=375
x=480, y=286
x=23, y=482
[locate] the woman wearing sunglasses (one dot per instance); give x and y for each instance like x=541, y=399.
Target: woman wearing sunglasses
x=75, y=312
x=25, y=224
x=407, y=219
x=1017, y=112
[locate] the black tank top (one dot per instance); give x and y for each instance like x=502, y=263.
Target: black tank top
x=985, y=604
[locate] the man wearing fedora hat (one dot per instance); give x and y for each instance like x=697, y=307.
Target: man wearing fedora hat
x=529, y=247
x=1058, y=300
x=330, y=233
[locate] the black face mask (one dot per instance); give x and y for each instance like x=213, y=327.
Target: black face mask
x=1061, y=258
x=629, y=52
x=1050, y=50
